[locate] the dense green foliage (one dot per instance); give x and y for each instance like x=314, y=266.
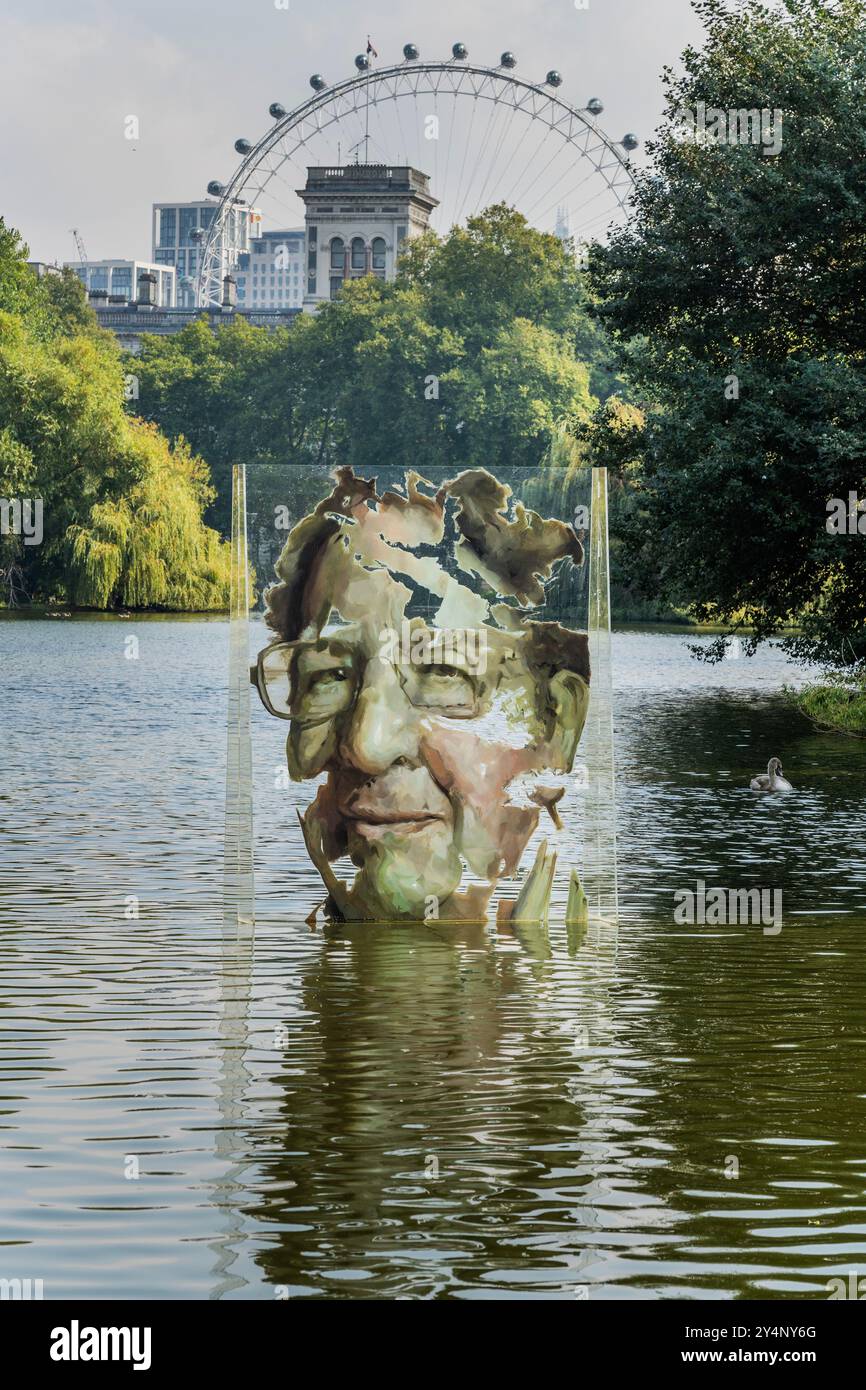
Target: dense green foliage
x=838, y=702
x=741, y=264
x=478, y=353
x=121, y=510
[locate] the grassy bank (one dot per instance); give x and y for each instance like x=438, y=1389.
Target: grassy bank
x=837, y=701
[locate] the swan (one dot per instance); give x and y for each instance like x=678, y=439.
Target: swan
x=771, y=780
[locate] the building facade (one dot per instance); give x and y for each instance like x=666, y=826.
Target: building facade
x=271, y=274
x=118, y=280
x=42, y=268
x=357, y=217
x=129, y=322
x=179, y=234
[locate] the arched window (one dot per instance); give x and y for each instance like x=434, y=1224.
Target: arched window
x=338, y=265
x=359, y=256
x=379, y=257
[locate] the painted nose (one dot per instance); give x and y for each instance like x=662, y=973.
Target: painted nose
x=383, y=729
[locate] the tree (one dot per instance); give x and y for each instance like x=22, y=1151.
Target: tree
x=736, y=294
x=121, y=511
x=146, y=547
x=479, y=278
x=210, y=390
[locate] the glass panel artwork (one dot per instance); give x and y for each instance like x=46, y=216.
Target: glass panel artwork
x=427, y=646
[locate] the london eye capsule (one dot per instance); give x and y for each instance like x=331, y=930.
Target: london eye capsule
x=411, y=52
x=630, y=142
x=243, y=146
x=362, y=62
x=460, y=51
x=215, y=188
x=554, y=78
x=594, y=106
x=276, y=110
x=508, y=60
x=317, y=82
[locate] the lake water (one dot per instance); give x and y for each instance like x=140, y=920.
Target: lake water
x=661, y=1111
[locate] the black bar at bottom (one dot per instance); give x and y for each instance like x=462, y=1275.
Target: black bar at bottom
x=67, y=1337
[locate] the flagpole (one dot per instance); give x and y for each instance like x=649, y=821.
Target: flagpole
x=367, y=111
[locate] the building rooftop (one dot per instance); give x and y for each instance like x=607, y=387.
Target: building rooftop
x=369, y=178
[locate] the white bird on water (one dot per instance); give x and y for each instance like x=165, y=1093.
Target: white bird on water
x=771, y=780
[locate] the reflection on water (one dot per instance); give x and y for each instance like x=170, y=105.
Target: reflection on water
x=672, y=1111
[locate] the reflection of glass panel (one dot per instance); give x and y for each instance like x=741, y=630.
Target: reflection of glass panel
x=337, y=247
x=359, y=254
x=121, y=280
x=379, y=255
x=167, y=226
x=99, y=278
x=336, y=285
x=188, y=221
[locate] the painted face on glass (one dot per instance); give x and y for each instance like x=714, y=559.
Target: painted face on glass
x=418, y=723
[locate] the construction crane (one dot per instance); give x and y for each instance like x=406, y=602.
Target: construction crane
x=79, y=245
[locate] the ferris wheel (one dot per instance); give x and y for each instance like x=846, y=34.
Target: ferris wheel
x=482, y=135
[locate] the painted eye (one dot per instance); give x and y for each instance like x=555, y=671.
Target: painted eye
x=324, y=694
x=439, y=686
x=446, y=672
x=320, y=678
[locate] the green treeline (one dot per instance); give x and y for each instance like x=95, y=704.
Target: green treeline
x=121, y=509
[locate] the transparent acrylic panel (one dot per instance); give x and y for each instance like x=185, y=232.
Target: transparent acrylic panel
x=596, y=754
x=238, y=891
x=425, y=657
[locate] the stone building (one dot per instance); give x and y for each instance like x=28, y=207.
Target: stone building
x=357, y=217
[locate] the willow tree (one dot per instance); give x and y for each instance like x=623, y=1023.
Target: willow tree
x=146, y=547
x=121, y=510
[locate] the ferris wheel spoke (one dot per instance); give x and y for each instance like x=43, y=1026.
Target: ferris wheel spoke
x=594, y=199
x=383, y=142
x=463, y=162
x=541, y=172
x=505, y=122
x=402, y=132
x=450, y=144
x=560, y=196
x=527, y=166
x=598, y=169
x=584, y=234
x=495, y=115
x=435, y=142
x=526, y=130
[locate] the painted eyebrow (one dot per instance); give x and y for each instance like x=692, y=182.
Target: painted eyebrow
x=321, y=659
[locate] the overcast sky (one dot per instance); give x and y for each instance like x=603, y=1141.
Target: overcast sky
x=199, y=73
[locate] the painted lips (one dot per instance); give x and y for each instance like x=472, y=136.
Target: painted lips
x=373, y=823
